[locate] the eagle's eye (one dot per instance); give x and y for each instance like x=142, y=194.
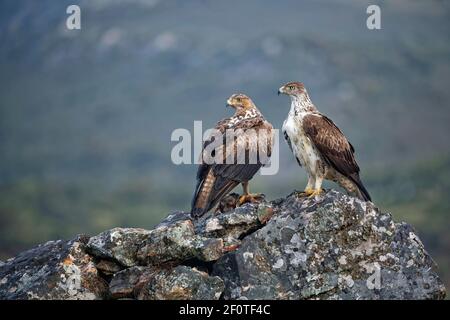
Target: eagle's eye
x=238, y=99
x=291, y=88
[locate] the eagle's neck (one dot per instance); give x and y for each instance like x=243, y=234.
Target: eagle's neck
x=301, y=104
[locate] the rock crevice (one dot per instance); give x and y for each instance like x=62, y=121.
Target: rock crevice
x=329, y=247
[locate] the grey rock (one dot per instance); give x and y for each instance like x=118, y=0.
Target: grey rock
x=127, y=282
x=119, y=244
x=330, y=247
x=182, y=283
x=108, y=267
x=173, y=218
x=176, y=241
x=234, y=225
x=1, y=263
x=52, y=271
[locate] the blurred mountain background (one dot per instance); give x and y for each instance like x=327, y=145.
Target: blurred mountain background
x=86, y=115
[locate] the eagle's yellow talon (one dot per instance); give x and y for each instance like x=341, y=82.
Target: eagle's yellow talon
x=308, y=192
x=242, y=200
x=315, y=193
x=252, y=198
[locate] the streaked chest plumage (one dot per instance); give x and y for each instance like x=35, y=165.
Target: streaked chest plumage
x=302, y=146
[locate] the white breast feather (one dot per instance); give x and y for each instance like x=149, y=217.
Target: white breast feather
x=302, y=146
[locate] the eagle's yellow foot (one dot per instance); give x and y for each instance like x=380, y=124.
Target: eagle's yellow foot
x=252, y=198
x=315, y=193
x=308, y=192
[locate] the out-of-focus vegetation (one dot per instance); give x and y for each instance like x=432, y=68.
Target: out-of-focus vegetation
x=86, y=116
x=34, y=211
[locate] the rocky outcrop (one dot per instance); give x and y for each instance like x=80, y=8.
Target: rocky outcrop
x=329, y=247
x=336, y=247
x=54, y=270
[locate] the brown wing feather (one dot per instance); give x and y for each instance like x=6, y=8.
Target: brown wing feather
x=334, y=147
x=331, y=143
x=216, y=180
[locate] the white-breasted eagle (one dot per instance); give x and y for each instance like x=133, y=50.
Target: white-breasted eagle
x=319, y=146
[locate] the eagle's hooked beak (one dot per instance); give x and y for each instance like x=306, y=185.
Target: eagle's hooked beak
x=280, y=91
x=229, y=103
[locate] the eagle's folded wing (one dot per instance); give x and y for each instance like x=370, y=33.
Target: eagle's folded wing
x=331, y=143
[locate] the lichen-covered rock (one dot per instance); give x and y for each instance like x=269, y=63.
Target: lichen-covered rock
x=177, y=242
x=234, y=225
x=182, y=283
x=125, y=283
x=119, y=244
x=330, y=247
x=54, y=270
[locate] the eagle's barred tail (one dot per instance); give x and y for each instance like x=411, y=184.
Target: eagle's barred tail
x=200, y=204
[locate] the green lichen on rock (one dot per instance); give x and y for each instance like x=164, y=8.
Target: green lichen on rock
x=329, y=247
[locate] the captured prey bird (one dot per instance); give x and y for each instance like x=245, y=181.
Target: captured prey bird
x=233, y=161
x=319, y=146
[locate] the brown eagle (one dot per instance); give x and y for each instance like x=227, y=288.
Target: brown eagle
x=319, y=146
x=243, y=144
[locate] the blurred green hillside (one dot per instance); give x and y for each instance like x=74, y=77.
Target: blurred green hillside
x=86, y=116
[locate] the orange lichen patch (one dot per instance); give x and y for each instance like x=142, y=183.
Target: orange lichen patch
x=230, y=248
x=68, y=261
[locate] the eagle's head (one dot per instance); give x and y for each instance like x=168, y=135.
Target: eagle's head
x=293, y=89
x=240, y=102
